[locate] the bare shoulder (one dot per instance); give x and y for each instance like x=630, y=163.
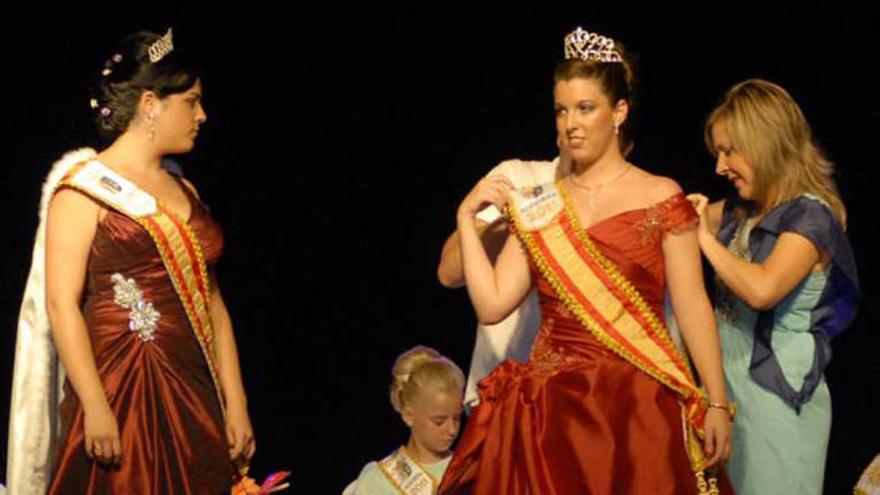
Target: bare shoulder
x=72, y=217
x=663, y=188
x=653, y=188
x=73, y=204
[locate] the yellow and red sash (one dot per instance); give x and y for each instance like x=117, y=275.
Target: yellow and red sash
x=175, y=240
x=594, y=290
x=407, y=475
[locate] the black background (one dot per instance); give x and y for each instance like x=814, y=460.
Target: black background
x=339, y=143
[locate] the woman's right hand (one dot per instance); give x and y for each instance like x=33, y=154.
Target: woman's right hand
x=701, y=205
x=490, y=190
x=102, y=434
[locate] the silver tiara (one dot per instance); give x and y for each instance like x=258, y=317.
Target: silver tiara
x=586, y=46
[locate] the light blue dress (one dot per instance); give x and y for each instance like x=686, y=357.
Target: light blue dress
x=776, y=450
x=774, y=360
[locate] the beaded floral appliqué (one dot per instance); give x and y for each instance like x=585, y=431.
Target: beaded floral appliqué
x=143, y=318
x=657, y=221
x=651, y=228
x=545, y=359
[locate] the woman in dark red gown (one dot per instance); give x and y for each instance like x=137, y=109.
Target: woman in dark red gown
x=597, y=408
x=153, y=398
x=172, y=432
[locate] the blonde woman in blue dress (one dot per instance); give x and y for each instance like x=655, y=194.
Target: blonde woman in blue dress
x=787, y=284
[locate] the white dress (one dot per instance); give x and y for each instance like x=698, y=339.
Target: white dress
x=512, y=337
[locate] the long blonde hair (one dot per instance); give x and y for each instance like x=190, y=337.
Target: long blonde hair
x=769, y=129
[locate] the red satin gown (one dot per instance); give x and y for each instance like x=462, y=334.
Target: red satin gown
x=170, y=422
x=577, y=418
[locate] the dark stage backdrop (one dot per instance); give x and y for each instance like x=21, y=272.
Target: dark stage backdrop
x=339, y=143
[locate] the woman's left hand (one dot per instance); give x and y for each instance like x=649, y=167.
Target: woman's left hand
x=717, y=444
x=239, y=433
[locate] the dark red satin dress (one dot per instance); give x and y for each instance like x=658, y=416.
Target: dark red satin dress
x=170, y=422
x=577, y=418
